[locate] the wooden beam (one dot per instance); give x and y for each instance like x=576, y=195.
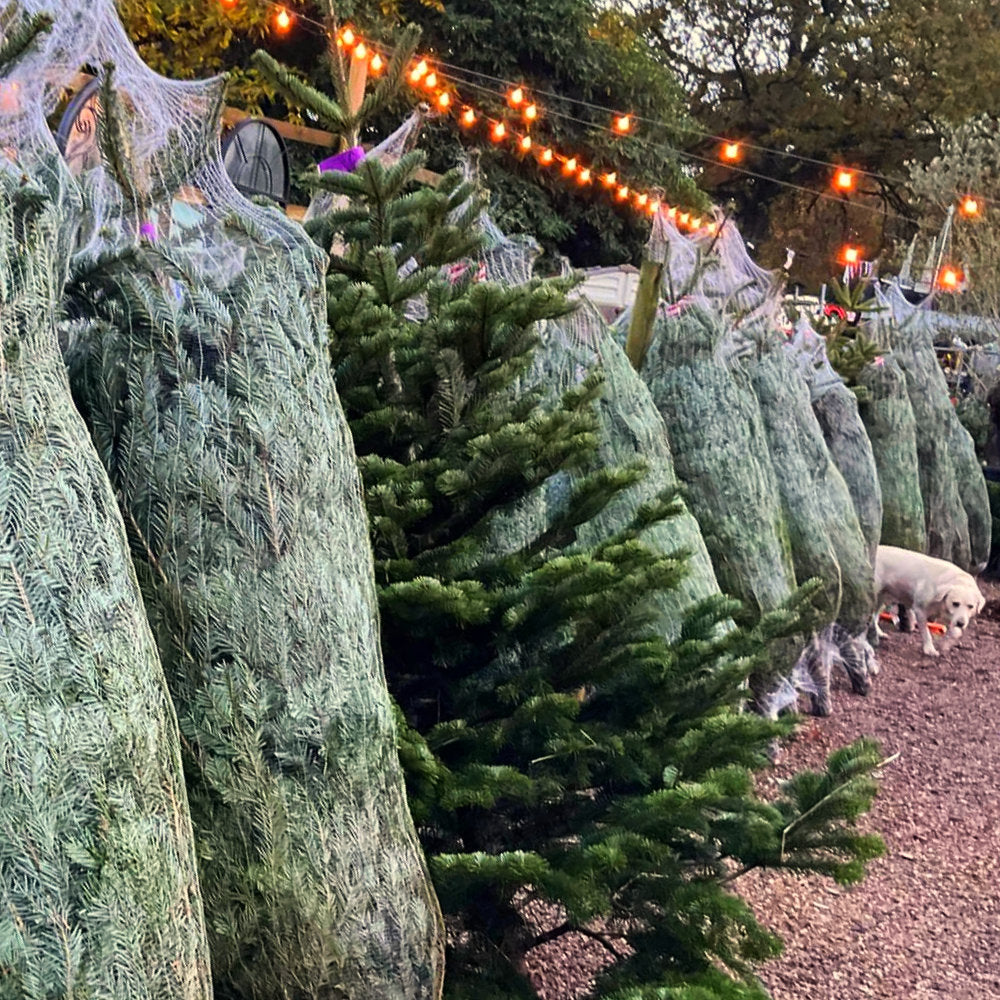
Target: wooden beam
x=296, y=133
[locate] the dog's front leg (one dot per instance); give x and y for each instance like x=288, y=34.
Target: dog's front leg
x=929, y=649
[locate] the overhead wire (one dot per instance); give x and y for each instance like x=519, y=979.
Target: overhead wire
x=461, y=73
x=458, y=75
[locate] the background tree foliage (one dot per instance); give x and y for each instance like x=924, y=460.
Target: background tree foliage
x=578, y=57
x=867, y=83
x=969, y=163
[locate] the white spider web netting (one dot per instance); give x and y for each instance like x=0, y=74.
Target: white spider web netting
x=196, y=345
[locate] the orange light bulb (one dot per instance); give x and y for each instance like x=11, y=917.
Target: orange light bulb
x=653, y=207
x=361, y=51
x=431, y=81
x=950, y=278
x=516, y=97
x=584, y=176
x=499, y=131
x=731, y=151
x=843, y=180
x=444, y=100
x=696, y=223
x=530, y=113
x=376, y=65
x=684, y=218
x=623, y=124
x=850, y=255
x=468, y=118
x=283, y=20
x=569, y=167
x=671, y=213
x=970, y=206
x=622, y=193
x=609, y=179
x=347, y=37
x=419, y=71
x=525, y=143
x=641, y=199
x=546, y=157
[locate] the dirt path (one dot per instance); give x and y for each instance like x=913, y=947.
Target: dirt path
x=926, y=922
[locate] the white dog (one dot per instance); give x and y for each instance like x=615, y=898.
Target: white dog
x=933, y=589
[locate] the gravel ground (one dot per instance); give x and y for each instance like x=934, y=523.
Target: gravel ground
x=925, y=924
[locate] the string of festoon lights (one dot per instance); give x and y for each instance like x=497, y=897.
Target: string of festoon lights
x=440, y=91
x=429, y=79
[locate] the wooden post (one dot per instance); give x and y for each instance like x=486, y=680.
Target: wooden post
x=647, y=298
x=357, y=79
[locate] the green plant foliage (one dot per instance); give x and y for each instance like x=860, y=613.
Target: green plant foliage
x=556, y=748
x=580, y=57
x=848, y=347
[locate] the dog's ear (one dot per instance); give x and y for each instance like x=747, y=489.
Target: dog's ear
x=941, y=594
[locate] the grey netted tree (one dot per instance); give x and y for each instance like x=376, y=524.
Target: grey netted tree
x=99, y=894
x=204, y=382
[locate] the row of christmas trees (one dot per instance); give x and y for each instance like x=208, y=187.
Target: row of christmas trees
x=201, y=761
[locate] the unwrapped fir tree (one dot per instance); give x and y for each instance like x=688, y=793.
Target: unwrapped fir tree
x=557, y=750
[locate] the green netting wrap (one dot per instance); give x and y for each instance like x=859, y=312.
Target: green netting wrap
x=99, y=893
x=892, y=430
x=946, y=520
x=632, y=429
x=836, y=409
x=826, y=537
x=761, y=403
x=916, y=327
x=721, y=455
x=205, y=381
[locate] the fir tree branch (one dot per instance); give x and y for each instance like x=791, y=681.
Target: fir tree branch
x=21, y=39
x=300, y=93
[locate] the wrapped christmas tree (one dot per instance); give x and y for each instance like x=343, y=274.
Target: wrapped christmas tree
x=204, y=378
x=836, y=409
x=100, y=893
x=631, y=434
x=956, y=505
x=892, y=430
x=826, y=537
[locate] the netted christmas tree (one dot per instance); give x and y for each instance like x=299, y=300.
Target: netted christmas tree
x=773, y=507
x=98, y=883
x=953, y=489
x=630, y=432
x=892, y=430
x=836, y=409
x=557, y=749
x=198, y=357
